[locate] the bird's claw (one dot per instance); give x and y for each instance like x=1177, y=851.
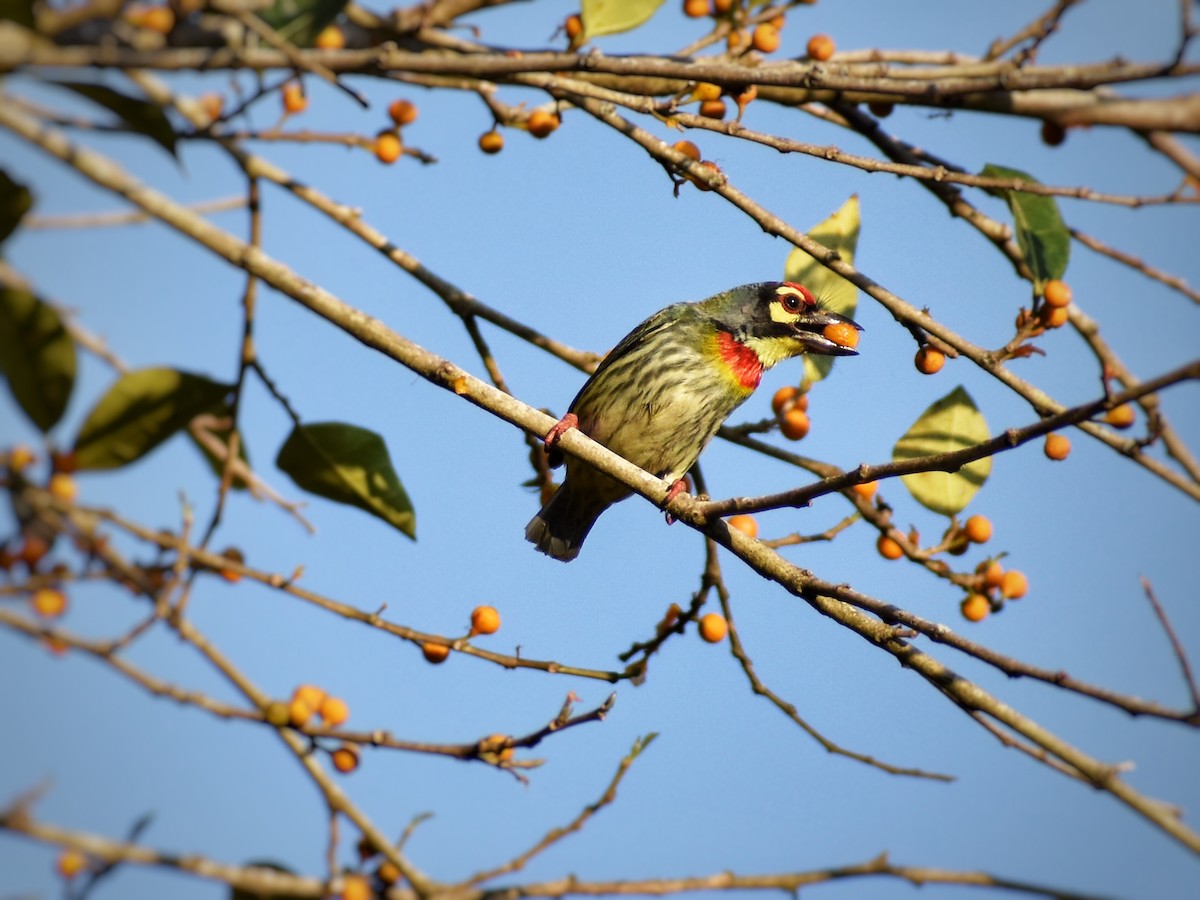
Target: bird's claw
x=561, y=427
x=678, y=486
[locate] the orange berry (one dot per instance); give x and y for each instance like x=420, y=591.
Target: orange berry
x=310, y=695
x=403, y=112
x=842, y=333
x=49, y=603
x=821, y=47
x=334, y=711
x=155, y=18
x=294, y=101
x=881, y=109
x=993, y=574
x=888, y=548
x=1056, y=293
x=975, y=607
x=387, y=873
x=234, y=555
x=747, y=525
x=713, y=109
x=345, y=759
x=573, y=26
x=1053, y=134
x=784, y=398
x=711, y=166
x=794, y=425
x=1058, y=446
x=388, y=147
x=330, y=38
x=21, y=457
x=1054, y=316
x=1120, y=416
x=1013, y=585
x=435, y=653
x=929, y=361
x=212, y=105
x=720, y=7
x=695, y=9
x=978, y=529
x=713, y=627
x=70, y=863
x=765, y=38
x=706, y=90
x=491, y=141
x=63, y=487
x=300, y=712
x=542, y=123
x=688, y=149
x=485, y=620
x=738, y=41
x=57, y=646
x=356, y=887
x=33, y=550
x=866, y=490
x=745, y=98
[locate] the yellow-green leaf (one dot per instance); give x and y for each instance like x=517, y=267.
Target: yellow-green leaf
x=839, y=232
x=950, y=424
x=140, y=411
x=15, y=201
x=37, y=356
x=349, y=465
x=614, y=16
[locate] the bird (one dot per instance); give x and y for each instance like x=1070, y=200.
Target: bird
x=660, y=395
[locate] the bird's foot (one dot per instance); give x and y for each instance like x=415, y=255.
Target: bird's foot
x=561, y=427
x=678, y=486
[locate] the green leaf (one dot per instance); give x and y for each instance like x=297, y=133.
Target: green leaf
x=222, y=434
x=36, y=355
x=19, y=11
x=839, y=232
x=141, y=116
x=15, y=201
x=952, y=423
x=349, y=465
x=300, y=21
x=602, y=17
x=1041, y=233
x=142, y=410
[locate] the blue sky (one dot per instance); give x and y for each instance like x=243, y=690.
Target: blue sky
x=580, y=236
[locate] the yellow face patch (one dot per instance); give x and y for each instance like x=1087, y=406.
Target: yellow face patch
x=790, y=301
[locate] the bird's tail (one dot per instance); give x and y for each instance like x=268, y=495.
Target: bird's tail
x=559, y=529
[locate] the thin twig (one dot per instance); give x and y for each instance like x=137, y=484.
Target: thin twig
x=1176, y=644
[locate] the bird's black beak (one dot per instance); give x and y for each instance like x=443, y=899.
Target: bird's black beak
x=812, y=330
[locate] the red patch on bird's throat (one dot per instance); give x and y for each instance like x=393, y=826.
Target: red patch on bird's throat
x=742, y=361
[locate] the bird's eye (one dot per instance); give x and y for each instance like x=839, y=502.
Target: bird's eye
x=794, y=297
